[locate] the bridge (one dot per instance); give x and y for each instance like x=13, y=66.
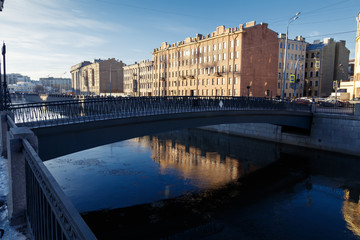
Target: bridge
x=33, y=133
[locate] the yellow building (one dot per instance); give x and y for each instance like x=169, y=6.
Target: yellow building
x=357, y=55
x=99, y=77
x=238, y=61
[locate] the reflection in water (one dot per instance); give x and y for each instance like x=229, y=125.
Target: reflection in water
x=351, y=211
x=147, y=169
x=316, y=197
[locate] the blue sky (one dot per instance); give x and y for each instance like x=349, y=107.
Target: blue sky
x=46, y=37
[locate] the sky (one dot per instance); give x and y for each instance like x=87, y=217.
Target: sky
x=44, y=38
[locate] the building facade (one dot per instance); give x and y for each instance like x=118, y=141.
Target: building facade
x=295, y=66
x=98, y=77
x=325, y=62
x=138, y=79
x=357, y=54
x=14, y=78
x=238, y=61
x=56, y=84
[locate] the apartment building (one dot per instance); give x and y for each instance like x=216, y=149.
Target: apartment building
x=14, y=78
x=357, y=54
x=325, y=62
x=57, y=84
x=295, y=66
x=138, y=79
x=98, y=77
x=238, y=61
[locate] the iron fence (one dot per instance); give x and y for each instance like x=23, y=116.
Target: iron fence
x=93, y=109
x=50, y=214
x=348, y=109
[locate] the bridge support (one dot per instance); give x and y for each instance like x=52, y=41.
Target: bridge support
x=16, y=198
x=4, y=130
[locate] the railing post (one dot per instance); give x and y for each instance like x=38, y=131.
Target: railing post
x=357, y=109
x=3, y=131
x=16, y=198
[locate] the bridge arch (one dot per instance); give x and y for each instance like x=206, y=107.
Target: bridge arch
x=55, y=141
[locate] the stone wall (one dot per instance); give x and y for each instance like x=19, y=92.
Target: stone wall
x=329, y=132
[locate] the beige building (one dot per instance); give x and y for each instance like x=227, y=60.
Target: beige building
x=138, y=79
x=357, y=57
x=325, y=62
x=351, y=89
x=98, y=77
x=295, y=66
x=228, y=62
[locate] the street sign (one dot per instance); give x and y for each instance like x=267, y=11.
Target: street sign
x=335, y=84
x=292, y=78
x=317, y=64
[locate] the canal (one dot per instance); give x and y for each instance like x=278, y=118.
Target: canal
x=195, y=184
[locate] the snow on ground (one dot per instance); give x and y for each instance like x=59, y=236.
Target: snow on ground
x=11, y=232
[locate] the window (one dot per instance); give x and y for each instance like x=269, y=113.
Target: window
x=232, y=43
x=236, y=68
x=224, y=45
x=230, y=68
x=316, y=93
x=281, y=45
x=214, y=58
x=219, y=46
x=237, y=54
x=317, y=73
x=279, y=75
x=236, y=80
x=214, y=47
x=219, y=57
x=311, y=74
x=278, y=85
x=231, y=55
x=237, y=43
x=224, y=56
x=230, y=81
x=312, y=64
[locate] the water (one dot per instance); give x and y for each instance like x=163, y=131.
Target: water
x=195, y=184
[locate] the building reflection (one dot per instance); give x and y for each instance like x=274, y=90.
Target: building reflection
x=351, y=210
x=206, y=159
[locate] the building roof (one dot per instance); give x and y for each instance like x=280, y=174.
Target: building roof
x=315, y=46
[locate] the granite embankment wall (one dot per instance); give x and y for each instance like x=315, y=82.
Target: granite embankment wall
x=329, y=132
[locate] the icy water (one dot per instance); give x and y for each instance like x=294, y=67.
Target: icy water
x=195, y=184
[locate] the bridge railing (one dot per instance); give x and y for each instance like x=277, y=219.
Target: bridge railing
x=66, y=112
x=35, y=195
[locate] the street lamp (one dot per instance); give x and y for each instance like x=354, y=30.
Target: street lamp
x=110, y=78
x=248, y=88
x=285, y=55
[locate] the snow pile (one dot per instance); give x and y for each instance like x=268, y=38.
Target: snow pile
x=10, y=233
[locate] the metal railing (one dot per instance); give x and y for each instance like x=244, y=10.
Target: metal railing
x=84, y=110
x=50, y=214
x=348, y=109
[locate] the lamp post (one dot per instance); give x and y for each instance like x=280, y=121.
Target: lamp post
x=110, y=78
x=285, y=55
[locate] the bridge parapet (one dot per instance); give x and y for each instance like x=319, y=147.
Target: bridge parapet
x=94, y=109
x=35, y=198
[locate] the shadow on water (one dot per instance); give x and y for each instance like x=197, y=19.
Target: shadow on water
x=258, y=169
